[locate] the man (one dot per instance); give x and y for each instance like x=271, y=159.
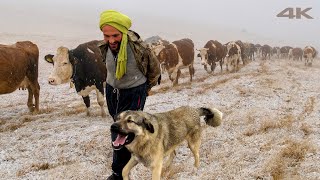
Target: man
x=132, y=70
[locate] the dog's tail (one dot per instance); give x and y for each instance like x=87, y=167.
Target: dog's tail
x=212, y=116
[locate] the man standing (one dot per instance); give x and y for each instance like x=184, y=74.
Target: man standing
x=132, y=70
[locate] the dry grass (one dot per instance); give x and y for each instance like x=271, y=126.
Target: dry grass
x=285, y=122
x=243, y=91
x=307, y=130
x=210, y=86
x=249, y=132
x=46, y=110
x=283, y=165
x=26, y=118
x=75, y=110
x=267, y=125
x=308, y=107
x=169, y=173
x=263, y=68
x=2, y=122
x=43, y=166
x=11, y=127
x=205, y=86
x=34, y=167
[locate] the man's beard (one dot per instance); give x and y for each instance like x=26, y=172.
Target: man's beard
x=114, y=49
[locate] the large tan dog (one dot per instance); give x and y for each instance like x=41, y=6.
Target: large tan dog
x=151, y=137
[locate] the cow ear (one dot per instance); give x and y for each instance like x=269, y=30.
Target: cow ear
x=148, y=125
x=48, y=58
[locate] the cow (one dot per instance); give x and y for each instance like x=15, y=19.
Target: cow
x=212, y=52
x=156, y=48
x=243, y=51
x=285, y=51
x=297, y=53
x=309, y=53
x=233, y=55
x=83, y=66
x=177, y=55
x=258, y=50
x=276, y=52
x=250, y=50
x=266, y=51
x=19, y=69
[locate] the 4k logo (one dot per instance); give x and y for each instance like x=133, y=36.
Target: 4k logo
x=295, y=13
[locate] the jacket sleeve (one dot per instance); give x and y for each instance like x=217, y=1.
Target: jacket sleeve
x=153, y=69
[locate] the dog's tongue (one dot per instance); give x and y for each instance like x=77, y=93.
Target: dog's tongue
x=120, y=140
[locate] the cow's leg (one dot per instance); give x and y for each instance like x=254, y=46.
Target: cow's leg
x=36, y=94
x=175, y=82
x=170, y=74
x=205, y=67
x=86, y=100
x=227, y=64
x=305, y=61
x=221, y=63
x=100, y=99
x=213, y=67
x=30, y=99
x=237, y=63
x=191, y=72
x=233, y=64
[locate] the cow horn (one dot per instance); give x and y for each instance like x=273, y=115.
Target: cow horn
x=48, y=58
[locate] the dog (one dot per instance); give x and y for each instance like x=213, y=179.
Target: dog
x=152, y=137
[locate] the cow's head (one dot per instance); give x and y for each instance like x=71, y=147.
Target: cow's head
x=157, y=48
x=62, y=68
x=232, y=49
x=203, y=53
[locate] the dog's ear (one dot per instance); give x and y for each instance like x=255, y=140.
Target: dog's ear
x=148, y=125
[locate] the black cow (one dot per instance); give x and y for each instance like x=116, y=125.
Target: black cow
x=82, y=66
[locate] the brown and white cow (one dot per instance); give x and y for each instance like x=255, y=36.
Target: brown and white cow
x=177, y=55
x=309, y=53
x=83, y=67
x=19, y=69
x=212, y=52
x=233, y=56
x=297, y=53
x=156, y=48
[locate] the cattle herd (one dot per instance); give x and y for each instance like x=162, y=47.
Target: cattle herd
x=179, y=54
x=83, y=65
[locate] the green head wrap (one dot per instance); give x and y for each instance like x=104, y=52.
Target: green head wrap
x=122, y=23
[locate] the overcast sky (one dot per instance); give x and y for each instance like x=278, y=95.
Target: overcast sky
x=206, y=19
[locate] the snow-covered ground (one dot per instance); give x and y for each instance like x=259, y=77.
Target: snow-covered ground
x=270, y=128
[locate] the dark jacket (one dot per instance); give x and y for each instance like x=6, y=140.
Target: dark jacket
x=146, y=60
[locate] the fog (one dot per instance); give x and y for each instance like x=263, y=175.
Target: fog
x=248, y=20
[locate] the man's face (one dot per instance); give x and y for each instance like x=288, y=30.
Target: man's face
x=112, y=36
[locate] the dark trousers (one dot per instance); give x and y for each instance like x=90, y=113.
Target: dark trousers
x=119, y=100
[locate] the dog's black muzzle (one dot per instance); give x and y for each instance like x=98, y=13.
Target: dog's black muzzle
x=120, y=138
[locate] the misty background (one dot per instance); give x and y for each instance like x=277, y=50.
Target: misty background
x=201, y=20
